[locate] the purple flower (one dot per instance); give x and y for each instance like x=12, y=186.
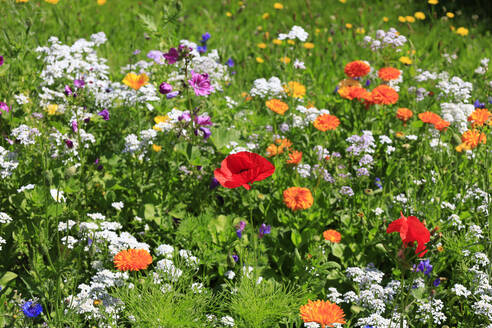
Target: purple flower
x=68, y=91
x=239, y=228
x=436, y=282
x=37, y=115
x=336, y=89
x=156, y=55
x=205, y=37
x=1, y=60
x=368, y=83
x=214, y=183
x=230, y=62
x=136, y=52
x=346, y=190
x=201, y=84
x=4, y=108
x=105, y=114
x=239, y=233
x=206, y=132
x=184, y=117
x=69, y=143
x=264, y=230
x=203, y=120
x=172, y=94
x=75, y=126
x=202, y=49
x=31, y=309
x=172, y=56
x=378, y=184
x=99, y=167
x=165, y=88
x=478, y=104
x=79, y=83
x=425, y=267
x=235, y=258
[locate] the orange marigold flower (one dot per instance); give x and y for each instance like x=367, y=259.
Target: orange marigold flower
x=472, y=138
x=429, y=117
x=295, y=89
x=480, y=116
x=295, y=157
x=135, y=81
x=384, y=95
x=278, y=106
x=298, y=198
x=332, y=235
x=324, y=313
x=132, y=259
x=357, y=68
x=389, y=73
x=283, y=143
x=441, y=125
x=272, y=150
x=353, y=92
x=326, y=122
x=404, y=114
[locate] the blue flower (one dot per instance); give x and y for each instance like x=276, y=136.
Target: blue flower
x=265, y=230
x=230, y=62
x=478, y=104
x=235, y=258
x=205, y=37
x=32, y=310
x=202, y=49
x=436, y=282
x=425, y=267
x=368, y=83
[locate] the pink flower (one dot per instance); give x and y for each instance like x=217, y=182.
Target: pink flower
x=201, y=84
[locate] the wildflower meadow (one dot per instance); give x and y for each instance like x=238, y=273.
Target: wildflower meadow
x=304, y=163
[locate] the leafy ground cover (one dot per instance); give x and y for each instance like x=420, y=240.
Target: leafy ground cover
x=245, y=164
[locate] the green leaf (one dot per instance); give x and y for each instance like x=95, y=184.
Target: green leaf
x=296, y=238
x=7, y=277
x=149, y=211
x=337, y=250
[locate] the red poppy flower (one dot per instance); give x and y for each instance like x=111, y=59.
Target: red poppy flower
x=411, y=229
x=243, y=168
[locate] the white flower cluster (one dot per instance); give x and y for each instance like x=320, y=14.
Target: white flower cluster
x=271, y=88
x=295, y=32
x=456, y=89
x=484, y=66
x=457, y=114
x=134, y=145
x=385, y=39
x=309, y=115
x=8, y=162
x=431, y=309
x=376, y=320
x=25, y=134
x=167, y=270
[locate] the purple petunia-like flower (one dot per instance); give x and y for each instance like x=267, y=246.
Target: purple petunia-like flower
x=69, y=143
x=75, y=126
x=1, y=60
x=235, y=258
x=172, y=94
x=201, y=84
x=240, y=227
x=264, y=230
x=79, y=83
x=4, y=108
x=104, y=114
x=31, y=309
x=165, y=88
x=205, y=131
x=203, y=120
x=172, y=56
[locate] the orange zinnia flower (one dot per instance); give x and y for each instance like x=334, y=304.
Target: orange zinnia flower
x=295, y=89
x=429, y=117
x=472, y=138
x=389, y=73
x=357, y=68
x=480, y=116
x=384, y=95
x=135, y=81
x=295, y=157
x=441, y=125
x=332, y=235
x=353, y=92
x=326, y=122
x=298, y=198
x=324, y=313
x=277, y=106
x=132, y=259
x=404, y=114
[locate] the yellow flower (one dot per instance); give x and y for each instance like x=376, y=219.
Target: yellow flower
x=277, y=42
x=54, y=2
x=52, y=109
x=259, y=60
x=278, y=5
x=450, y=15
x=21, y=0
x=433, y=2
x=265, y=16
x=405, y=60
x=285, y=60
x=160, y=119
x=343, y=1
x=240, y=3
x=401, y=19
x=419, y=15
x=156, y=148
x=101, y=2
x=410, y=19
x=228, y=14
x=262, y=45
x=348, y=26
x=259, y=28
x=360, y=30
x=135, y=81
x=385, y=19
x=291, y=41
x=317, y=31
x=308, y=45
x=452, y=28
x=295, y=89
x=330, y=39
x=462, y=31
